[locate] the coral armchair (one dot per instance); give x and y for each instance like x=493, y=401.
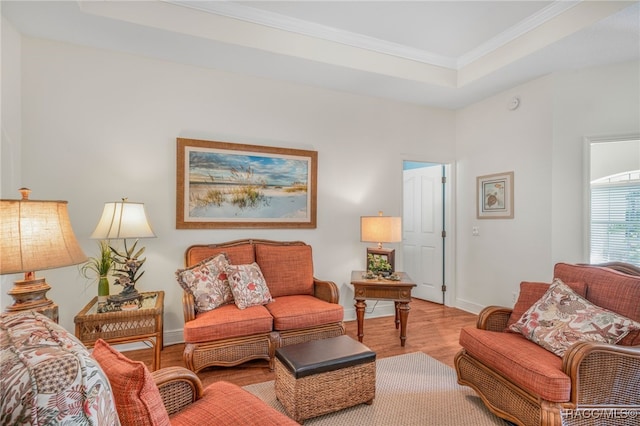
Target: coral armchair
x=526, y=384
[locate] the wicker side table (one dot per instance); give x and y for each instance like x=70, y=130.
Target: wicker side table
x=140, y=325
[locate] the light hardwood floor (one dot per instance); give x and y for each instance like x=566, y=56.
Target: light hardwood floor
x=432, y=329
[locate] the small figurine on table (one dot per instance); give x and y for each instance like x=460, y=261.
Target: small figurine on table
x=128, y=267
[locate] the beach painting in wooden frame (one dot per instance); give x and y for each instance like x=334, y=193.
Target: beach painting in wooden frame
x=230, y=185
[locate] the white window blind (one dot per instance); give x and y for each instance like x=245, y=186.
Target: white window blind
x=615, y=220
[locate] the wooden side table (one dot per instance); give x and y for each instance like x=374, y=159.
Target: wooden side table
x=140, y=325
x=382, y=289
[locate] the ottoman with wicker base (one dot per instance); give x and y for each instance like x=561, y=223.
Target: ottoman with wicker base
x=323, y=376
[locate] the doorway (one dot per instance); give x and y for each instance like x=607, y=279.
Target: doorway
x=423, y=233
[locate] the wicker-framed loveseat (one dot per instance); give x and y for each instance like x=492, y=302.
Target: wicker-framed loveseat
x=528, y=385
x=304, y=308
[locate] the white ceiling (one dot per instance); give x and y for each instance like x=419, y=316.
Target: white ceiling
x=437, y=53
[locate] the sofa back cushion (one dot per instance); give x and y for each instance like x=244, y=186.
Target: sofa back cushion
x=48, y=376
x=287, y=269
x=137, y=397
x=236, y=254
x=608, y=289
x=531, y=292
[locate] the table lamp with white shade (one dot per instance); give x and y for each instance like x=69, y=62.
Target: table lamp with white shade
x=123, y=220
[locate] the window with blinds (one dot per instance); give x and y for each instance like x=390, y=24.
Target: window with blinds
x=615, y=219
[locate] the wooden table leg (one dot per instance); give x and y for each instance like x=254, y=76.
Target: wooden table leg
x=360, y=307
x=397, y=306
x=403, y=307
x=157, y=347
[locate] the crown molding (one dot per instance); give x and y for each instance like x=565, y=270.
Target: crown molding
x=544, y=15
x=311, y=29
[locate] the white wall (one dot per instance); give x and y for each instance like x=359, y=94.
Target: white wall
x=11, y=124
x=491, y=138
x=597, y=102
x=542, y=142
x=99, y=125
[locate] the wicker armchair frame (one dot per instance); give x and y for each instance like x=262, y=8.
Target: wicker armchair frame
x=602, y=376
x=178, y=387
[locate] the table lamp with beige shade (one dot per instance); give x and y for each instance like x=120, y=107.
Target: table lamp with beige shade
x=35, y=235
x=381, y=229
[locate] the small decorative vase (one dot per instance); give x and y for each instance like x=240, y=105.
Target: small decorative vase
x=103, y=289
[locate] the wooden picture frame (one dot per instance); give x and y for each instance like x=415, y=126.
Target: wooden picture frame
x=494, y=196
x=229, y=185
x=388, y=254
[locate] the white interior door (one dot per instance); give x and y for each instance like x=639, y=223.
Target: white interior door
x=422, y=241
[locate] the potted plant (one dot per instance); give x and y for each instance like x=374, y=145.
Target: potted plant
x=378, y=265
x=99, y=268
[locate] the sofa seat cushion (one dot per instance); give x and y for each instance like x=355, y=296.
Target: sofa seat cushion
x=526, y=364
x=288, y=270
x=302, y=311
x=224, y=403
x=228, y=321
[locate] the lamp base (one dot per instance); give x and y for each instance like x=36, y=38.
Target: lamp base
x=30, y=295
x=121, y=298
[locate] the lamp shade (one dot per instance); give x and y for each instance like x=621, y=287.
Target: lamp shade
x=380, y=229
x=36, y=235
x=123, y=219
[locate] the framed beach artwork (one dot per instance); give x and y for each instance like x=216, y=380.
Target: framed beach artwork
x=229, y=185
x=494, y=197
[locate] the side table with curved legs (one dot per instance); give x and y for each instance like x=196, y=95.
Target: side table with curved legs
x=383, y=289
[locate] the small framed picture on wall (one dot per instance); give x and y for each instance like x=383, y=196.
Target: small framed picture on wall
x=494, y=196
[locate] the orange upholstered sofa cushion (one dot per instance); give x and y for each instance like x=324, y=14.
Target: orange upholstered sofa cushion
x=302, y=311
x=237, y=255
x=228, y=321
x=608, y=289
x=226, y=404
x=287, y=269
x=137, y=397
x=525, y=363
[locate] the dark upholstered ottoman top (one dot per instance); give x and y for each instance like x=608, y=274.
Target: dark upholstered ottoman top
x=320, y=356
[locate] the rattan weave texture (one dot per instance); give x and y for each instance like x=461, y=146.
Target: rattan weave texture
x=322, y=393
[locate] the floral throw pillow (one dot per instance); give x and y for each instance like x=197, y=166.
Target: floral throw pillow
x=248, y=285
x=207, y=282
x=562, y=317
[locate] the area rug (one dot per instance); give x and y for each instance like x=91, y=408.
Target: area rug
x=411, y=389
